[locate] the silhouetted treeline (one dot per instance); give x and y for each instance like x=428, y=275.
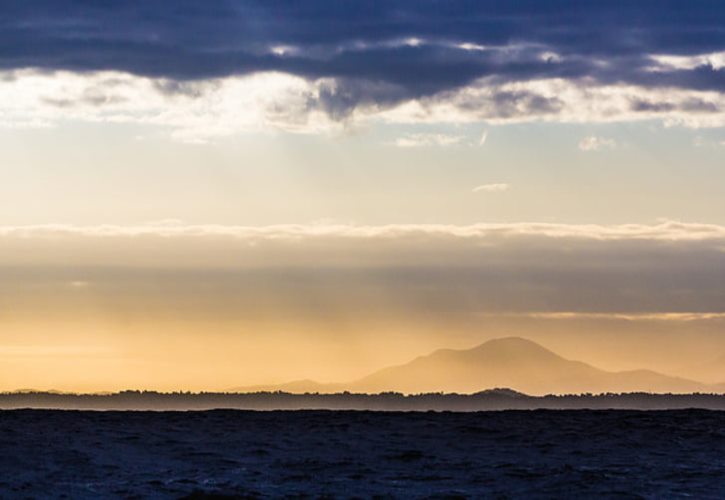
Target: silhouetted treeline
x=497, y=399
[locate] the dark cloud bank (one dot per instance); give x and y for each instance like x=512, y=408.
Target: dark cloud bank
x=377, y=52
x=438, y=270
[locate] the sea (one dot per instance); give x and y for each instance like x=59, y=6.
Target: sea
x=362, y=454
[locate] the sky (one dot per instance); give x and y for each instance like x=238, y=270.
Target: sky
x=203, y=195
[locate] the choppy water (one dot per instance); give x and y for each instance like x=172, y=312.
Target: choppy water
x=346, y=454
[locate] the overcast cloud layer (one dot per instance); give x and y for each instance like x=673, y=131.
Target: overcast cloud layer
x=418, y=60
x=420, y=47
x=666, y=268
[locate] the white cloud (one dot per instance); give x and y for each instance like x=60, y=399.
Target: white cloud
x=702, y=142
x=666, y=316
x=665, y=230
x=548, y=56
x=413, y=42
x=562, y=101
x=594, y=143
x=419, y=140
x=440, y=140
x=491, y=188
x=192, y=111
x=284, y=50
x=471, y=47
x=666, y=62
x=200, y=111
x=78, y=284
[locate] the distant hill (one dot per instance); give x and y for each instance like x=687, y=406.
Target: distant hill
x=512, y=362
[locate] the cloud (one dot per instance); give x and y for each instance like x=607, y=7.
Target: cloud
x=200, y=111
x=378, y=56
x=715, y=60
x=169, y=245
x=418, y=140
x=665, y=230
x=665, y=316
x=593, y=143
x=484, y=137
x=701, y=142
x=631, y=269
x=191, y=112
x=78, y=284
x=491, y=188
x=410, y=42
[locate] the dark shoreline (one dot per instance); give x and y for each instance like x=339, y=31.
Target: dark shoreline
x=497, y=399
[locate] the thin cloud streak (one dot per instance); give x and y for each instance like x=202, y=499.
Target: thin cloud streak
x=491, y=188
x=643, y=316
x=483, y=139
x=421, y=140
x=666, y=230
x=594, y=143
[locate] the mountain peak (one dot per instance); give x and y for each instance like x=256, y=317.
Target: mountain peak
x=512, y=348
x=511, y=343
x=503, y=346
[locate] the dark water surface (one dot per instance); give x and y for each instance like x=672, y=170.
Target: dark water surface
x=509, y=454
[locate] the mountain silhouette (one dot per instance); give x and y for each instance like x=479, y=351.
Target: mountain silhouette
x=511, y=362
